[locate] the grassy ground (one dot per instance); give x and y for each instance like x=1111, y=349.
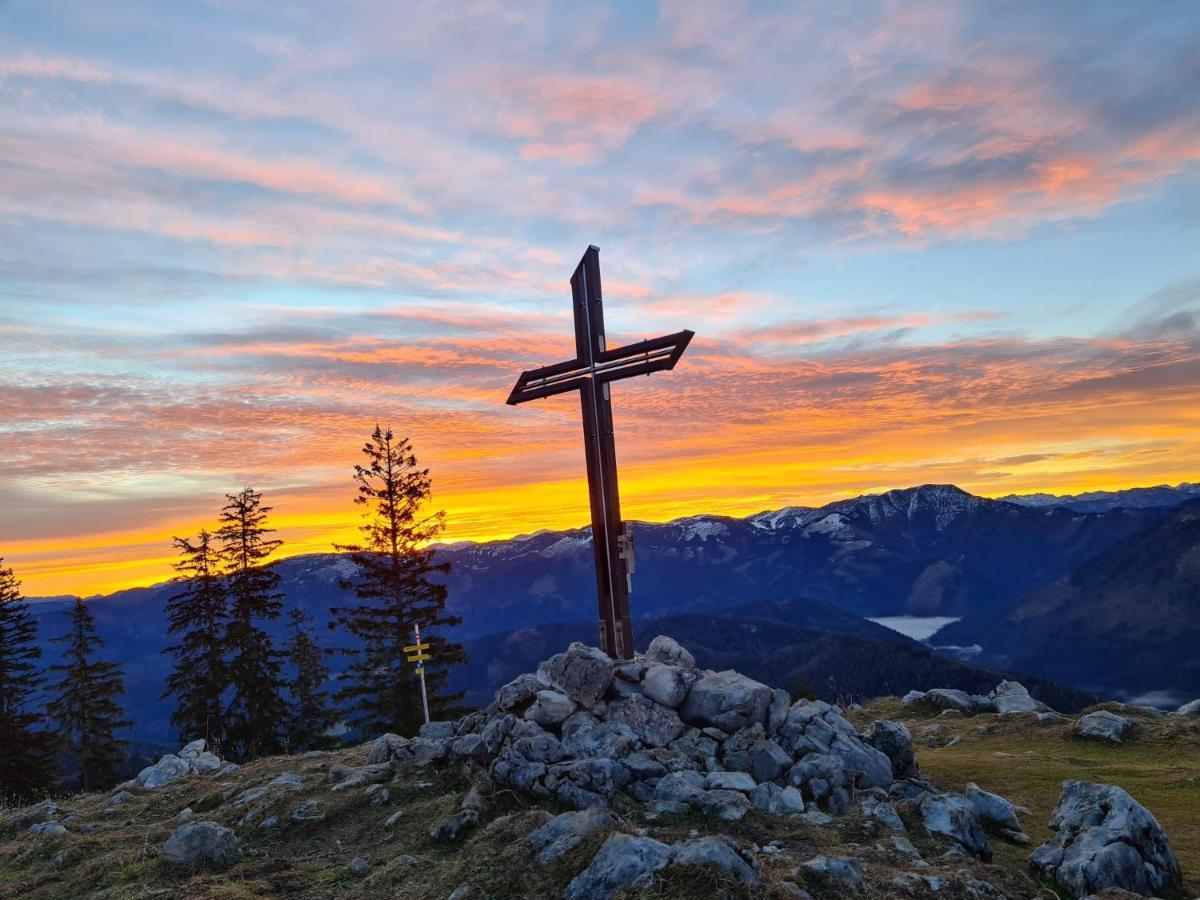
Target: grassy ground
x=119, y=858
x=1027, y=763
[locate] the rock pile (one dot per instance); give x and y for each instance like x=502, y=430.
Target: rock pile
x=193, y=759
x=677, y=738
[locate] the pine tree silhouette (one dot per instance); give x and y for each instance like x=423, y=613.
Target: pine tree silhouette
x=27, y=766
x=85, y=707
x=394, y=565
x=310, y=714
x=256, y=714
x=197, y=616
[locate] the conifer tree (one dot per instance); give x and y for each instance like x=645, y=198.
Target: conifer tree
x=85, y=707
x=310, y=715
x=27, y=766
x=256, y=714
x=393, y=585
x=197, y=617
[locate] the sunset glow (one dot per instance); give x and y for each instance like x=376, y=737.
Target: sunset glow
x=918, y=243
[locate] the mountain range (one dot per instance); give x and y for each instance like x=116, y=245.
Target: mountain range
x=814, y=574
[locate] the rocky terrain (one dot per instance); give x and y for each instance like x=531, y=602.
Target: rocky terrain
x=655, y=778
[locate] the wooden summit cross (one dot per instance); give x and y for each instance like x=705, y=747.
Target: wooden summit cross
x=591, y=372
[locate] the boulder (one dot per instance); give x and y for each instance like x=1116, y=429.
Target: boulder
x=39, y=812
x=623, y=861
x=668, y=651
x=721, y=854
x=823, y=779
x=730, y=781
x=195, y=843
x=1103, y=725
x=813, y=726
x=655, y=725
x=881, y=811
x=615, y=740
x=894, y=741
x=773, y=799
x=993, y=808
x=726, y=700
x=751, y=751
x=781, y=702
x=169, y=768
x=384, y=748
x=912, y=697
x=1012, y=697
x=570, y=829
x=48, y=829
x=837, y=874
x=668, y=685
x=582, y=673
x=953, y=816
x=1106, y=840
x=1189, y=710
x=518, y=693
x=550, y=708
x=453, y=829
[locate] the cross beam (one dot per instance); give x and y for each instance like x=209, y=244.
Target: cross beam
x=591, y=372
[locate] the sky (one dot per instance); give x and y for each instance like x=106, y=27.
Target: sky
x=917, y=242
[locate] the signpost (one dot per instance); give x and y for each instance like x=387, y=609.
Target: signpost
x=415, y=653
x=592, y=372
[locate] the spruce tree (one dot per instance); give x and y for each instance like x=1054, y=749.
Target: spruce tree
x=27, y=767
x=310, y=715
x=85, y=708
x=256, y=714
x=197, y=617
x=393, y=585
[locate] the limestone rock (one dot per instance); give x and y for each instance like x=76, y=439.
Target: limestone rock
x=730, y=781
x=566, y=831
x=48, y=829
x=550, y=708
x=453, y=829
x=436, y=730
x=518, y=693
x=194, y=843
x=720, y=853
x=777, y=801
x=384, y=748
x=668, y=685
x=623, y=861
x=815, y=726
x=39, y=812
x=1012, y=697
x=1103, y=725
x=726, y=700
x=582, y=673
x=1105, y=839
x=668, y=651
x=654, y=725
x=912, y=697
x=360, y=866
x=169, y=768
x=993, y=808
x=894, y=741
x=953, y=815
x=598, y=739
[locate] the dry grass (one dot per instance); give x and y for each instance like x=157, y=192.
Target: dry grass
x=1014, y=757
x=1027, y=762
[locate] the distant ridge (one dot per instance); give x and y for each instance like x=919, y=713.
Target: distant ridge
x=1103, y=501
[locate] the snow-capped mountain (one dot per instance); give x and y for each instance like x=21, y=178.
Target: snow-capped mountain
x=1103, y=501
x=930, y=550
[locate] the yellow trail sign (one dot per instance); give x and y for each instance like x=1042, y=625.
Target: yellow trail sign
x=416, y=648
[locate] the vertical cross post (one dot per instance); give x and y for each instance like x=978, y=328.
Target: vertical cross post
x=592, y=372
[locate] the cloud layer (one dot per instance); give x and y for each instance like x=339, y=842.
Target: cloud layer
x=918, y=242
